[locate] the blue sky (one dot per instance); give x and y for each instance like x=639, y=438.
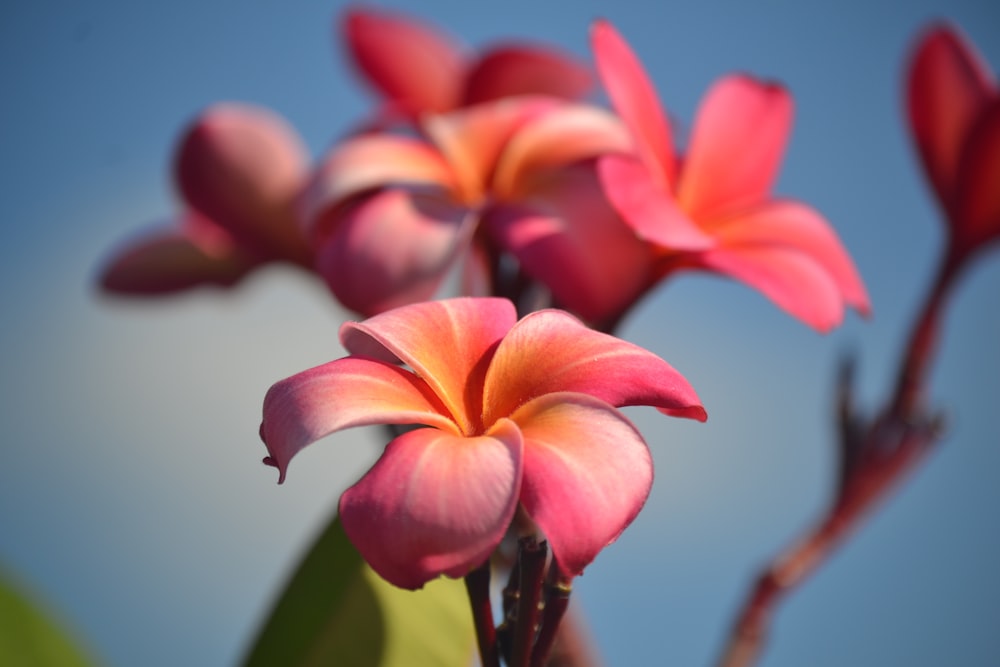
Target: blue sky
x=132, y=498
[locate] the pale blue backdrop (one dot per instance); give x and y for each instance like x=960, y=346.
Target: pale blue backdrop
x=132, y=498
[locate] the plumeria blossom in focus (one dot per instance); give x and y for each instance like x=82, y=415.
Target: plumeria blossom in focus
x=953, y=105
x=513, y=414
x=390, y=214
x=712, y=210
x=418, y=70
x=239, y=170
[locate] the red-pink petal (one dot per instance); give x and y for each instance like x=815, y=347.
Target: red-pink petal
x=435, y=503
x=242, y=167
x=587, y=473
x=978, y=199
x=634, y=98
x=559, y=137
x=448, y=343
x=795, y=282
x=348, y=392
x=413, y=65
x=648, y=208
x=169, y=261
x=550, y=351
x=523, y=69
x=797, y=227
x=947, y=89
x=569, y=238
x=473, y=138
x=368, y=162
x=390, y=249
x=736, y=147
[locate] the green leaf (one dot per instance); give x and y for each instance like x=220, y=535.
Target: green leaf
x=337, y=611
x=29, y=638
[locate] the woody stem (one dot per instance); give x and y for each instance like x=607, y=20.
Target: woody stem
x=531, y=569
x=477, y=583
x=875, y=457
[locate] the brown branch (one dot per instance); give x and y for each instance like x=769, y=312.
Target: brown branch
x=875, y=457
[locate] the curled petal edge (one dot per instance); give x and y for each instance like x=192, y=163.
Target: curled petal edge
x=341, y=394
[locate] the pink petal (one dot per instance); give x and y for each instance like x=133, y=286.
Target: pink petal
x=390, y=249
x=634, y=98
x=368, y=162
x=795, y=282
x=736, y=147
x=948, y=87
x=587, y=473
x=170, y=261
x=305, y=407
x=559, y=137
x=796, y=227
x=568, y=237
x=473, y=138
x=242, y=167
x=435, y=503
x=526, y=70
x=448, y=343
x=649, y=209
x=978, y=200
x=413, y=65
x=550, y=351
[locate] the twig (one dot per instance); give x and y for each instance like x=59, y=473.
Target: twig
x=557, y=592
x=477, y=582
x=531, y=567
x=875, y=457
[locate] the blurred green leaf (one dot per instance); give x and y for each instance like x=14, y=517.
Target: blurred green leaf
x=337, y=611
x=29, y=637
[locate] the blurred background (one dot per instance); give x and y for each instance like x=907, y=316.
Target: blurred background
x=132, y=498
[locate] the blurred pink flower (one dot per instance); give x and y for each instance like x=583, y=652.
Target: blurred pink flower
x=515, y=413
x=420, y=70
x=712, y=209
x=389, y=214
x=239, y=169
x=954, y=111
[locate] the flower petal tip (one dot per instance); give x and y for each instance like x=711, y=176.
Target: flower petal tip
x=695, y=412
x=269, y=461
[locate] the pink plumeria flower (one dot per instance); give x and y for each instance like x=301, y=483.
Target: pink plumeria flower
x=419, y=70
x=391, y=214
x=953, y=105
x=513, y=414
x=713, y=210
x=239, y=169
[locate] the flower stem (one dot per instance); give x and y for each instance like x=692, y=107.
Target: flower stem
x=919, y=354
x=477, y=582
x=510, y=596
x=875, y=456
x=531, y=571
x=870, y=483
x=557, y=592
x=791, y=568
